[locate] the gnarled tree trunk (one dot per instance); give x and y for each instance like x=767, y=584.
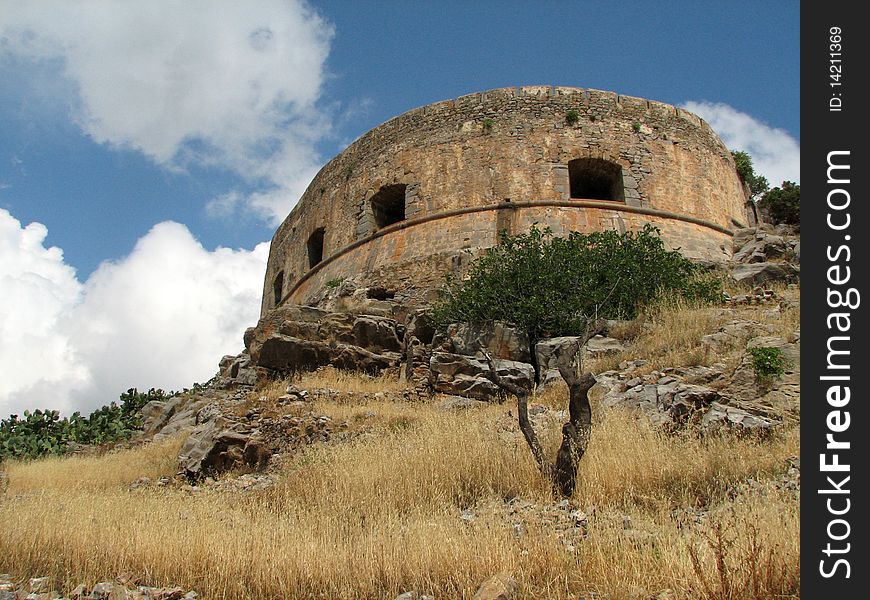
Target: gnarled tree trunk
x=575, y=433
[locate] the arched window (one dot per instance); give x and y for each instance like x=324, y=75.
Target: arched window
x=388, y=205
x=596, y=179
x=315, y=247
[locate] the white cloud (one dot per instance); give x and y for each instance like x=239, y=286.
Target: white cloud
x=219, y=83
x=161, y=317
x=775, y=154
x=38, y=290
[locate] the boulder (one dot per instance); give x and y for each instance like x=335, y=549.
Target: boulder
x=498, y=587
x=548, y=351
x=764, y=272
x=761, y=246
x=767, y=396
x=600, y=345
x=722, y=417
x=668, y=402
x=294, y=338
x=449, y=403
x=733, y=334
x=471, y=339
x=462, y=375
x=220, y=445
x=239, y=370
x=170, y=417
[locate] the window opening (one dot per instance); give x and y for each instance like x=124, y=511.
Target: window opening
x=596, y=179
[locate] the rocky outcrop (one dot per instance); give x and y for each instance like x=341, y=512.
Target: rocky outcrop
x=229, y=437
x=299, y=338
x=458, y=363
x=419, y=334
x=462, y=375
x=772, y=395
x=766, y=254
x=670, y=401
x=220, y=445
x=765, y=272
x=547, y=352
x=500, y=340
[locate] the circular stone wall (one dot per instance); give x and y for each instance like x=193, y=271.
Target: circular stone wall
x=425, y=191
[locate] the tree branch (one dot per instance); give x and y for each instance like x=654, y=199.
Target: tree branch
x=526, y=427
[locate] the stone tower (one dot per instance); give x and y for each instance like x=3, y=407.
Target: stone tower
x=422, y=193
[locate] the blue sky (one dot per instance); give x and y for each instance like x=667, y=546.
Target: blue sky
x=148, y=150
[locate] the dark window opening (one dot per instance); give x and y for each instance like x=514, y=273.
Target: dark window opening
x=278, y=288
x=388, y=205
x=596, y=179
x=315, y=247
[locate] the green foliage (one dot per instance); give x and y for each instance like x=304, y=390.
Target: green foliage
x=635, y=126
x=487, y=124
x=768, y=362
x=552, y=286
x=572, y=117
x=44, y=432
x=757, y=183
x=333, y=283
x=783, y=204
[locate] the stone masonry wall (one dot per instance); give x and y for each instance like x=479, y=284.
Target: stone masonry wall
x=507, y=145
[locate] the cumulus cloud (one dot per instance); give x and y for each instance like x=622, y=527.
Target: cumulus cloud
x=37, y=291
x=160, y=317
x=219, y=83
x=775, y=154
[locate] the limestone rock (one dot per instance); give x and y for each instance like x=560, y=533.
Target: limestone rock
x=413, y=596
x=40, y=585
x=449, y=403
x=498, y=587
x=462, y=375
x=767, y=396
x=293, y=338
x=220, y=445
x=471, y=339
x=667, y=402
x=765, y=272
x=721, y=417
x=733, y=334
x=239, y=370
x=170, y=417
x=600, y=345
x=759, y=246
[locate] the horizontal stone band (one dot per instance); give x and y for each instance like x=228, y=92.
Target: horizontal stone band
x=597, y=204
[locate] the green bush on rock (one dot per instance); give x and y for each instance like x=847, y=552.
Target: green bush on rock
x=553, y=286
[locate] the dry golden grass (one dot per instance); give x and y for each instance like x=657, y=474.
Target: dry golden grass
x=380, y=515
x=670, y=333
x=346, y=381
x=96, y=472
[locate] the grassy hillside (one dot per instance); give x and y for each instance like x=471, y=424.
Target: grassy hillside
x=418, y=498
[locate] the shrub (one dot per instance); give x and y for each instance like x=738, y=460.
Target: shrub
x=487, y=124
x=572, y=117
x=782, y=204
x=635, y=126
x=757, y=183
x=767, y=362
x=552, y=286
x=333, y=283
